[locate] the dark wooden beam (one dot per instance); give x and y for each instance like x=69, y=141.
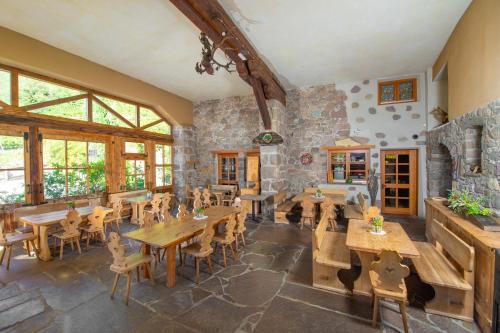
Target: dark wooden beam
x=36, y=180
x=211, y=18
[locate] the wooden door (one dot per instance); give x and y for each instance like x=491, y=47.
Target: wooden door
x=252, y=169
x=228, y=169
x=399, y=181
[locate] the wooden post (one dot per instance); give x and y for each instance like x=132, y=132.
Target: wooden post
x=35, y=152
x=261, y=102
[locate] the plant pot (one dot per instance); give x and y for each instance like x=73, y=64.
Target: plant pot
x=377, y=229
x=487, y=223
x=441, y=200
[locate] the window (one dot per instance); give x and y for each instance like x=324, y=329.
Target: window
x=5, y=86
x=12, y=177
x=163, y=168
x=134, y=147
x=348, y=165
x=135, y=174
x=228, y=169
x=73, y=168
x=151, y=122
x=398, y=91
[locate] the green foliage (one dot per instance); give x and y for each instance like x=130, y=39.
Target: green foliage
x=377, y=221
x=465, y=202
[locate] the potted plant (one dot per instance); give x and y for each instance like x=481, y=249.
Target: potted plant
x=318, y=193
x=200, y=212
x=378, y=224
x=471, y=206
x=71, y=205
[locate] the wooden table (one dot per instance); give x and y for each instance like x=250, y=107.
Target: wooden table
x=218, y=194
x=255, y=198
x=170, y=235
x=42, y=222
x=338, y=199
x=367, y=245
x=138, y=203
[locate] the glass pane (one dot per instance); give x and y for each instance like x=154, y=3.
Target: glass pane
x=32, y=91
x=54, y=182
x=403, y=158
x=389, y=202
x=140, y=166
x=403, y=203
x=403, y=168
x=404, y=179
x=77, y=182
x=358, y=157
x=358, y=171
x=5, y=86
x=390, y=168
x=159, y=176
x=126, y=110
x=168, y=175
x=129, y=167
x=12, y=189
x=168, y=154
x=11, y=152
x=404, y=192
x=102, y=116
x=134, y=147
x=54, y=155
x=406, y=90
x=338, y=158
x=161, y=128
x=387, y=93
x=140, y=182
x=338, y=172
x=159, y=154
x=97, y=178
x=97, y=153
x=77, y=154
x=390, y=192
x=71, y=110
x=147, y=116
x=130, y=182
x=390, y=179
x=391, y=158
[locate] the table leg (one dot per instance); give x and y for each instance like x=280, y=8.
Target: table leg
x=362, y=285
x=43, y=243
x=253, y=210
x=134, y=219
x=171, y=250
x=140, y=212
x=146, y=250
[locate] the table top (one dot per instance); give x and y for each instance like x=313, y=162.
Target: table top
x=338, y=199
x=255, y=197
x=164, y=235
x=360, y=238
x=138, y=199
x=56, y=216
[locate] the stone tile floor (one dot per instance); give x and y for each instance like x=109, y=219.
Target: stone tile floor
x=267, y=289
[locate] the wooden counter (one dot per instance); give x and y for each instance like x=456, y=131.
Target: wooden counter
x=485, y=243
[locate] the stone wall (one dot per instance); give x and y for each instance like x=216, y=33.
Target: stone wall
x=457, y=137
x=184, y=159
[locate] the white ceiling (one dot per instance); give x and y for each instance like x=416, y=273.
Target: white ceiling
x=306, y=42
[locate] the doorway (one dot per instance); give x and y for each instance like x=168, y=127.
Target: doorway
x=399, y=180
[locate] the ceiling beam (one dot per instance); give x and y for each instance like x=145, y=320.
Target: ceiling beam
x=211, y=18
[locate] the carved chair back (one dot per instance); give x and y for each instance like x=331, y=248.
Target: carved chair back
x=230, y=226
x=307, y=208
x=156, y=202
x=390, y=271
x=197, y=194
x=207, y=203
x=149, y=219
x=3, y=237
x=242, y=216
x=96, y=219
x=70, y=223
x=117, y=206
x=165, y=204
x=206, y=239
x=197, y=204
x=181, y=212
x=117, y=250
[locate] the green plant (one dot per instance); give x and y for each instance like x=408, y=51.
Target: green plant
x=348, y=180
x=70, y=204
x=377, y=221
x=199, y=211
x=465, y=202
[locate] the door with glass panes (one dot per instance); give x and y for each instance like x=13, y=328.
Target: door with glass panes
x=399, y=175
x=228, y=169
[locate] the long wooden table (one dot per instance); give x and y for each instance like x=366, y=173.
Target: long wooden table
x=368, y=245
x=138, y=203
x=171, y=234
x=338, y=199
x=42, y=222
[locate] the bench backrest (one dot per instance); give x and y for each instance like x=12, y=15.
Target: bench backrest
x=229, y=188
x=279, y=198
x=461, y=252
x=319, y=234
x=113, y=196
x=40, y=209
x=338, y=191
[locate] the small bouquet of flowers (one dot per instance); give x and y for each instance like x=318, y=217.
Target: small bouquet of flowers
x=377, y=224
x=200, y=212
x=318, y=193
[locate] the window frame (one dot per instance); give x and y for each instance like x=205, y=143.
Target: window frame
x=396, y=84
x=220, y=180
x=164, y=165
x=348, y=151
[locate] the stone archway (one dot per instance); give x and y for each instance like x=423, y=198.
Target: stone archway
x=440, y=171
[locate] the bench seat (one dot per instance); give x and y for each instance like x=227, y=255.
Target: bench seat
x=333, y=251
x=285, y=207
x=282, y=207
x=433, y=268
x=353, y=212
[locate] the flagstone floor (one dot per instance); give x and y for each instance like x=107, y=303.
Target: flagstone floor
x=267, y=289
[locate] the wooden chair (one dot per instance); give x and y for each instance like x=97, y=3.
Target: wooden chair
x=357, y=211
x=165, y=206
x=7, y=242
x=181, y=212
x=196, y=194
x=227, y=238
x=124, y=265
x=240, y=226
x=116, y=217
x=207, y=198
x=387, y=279
x=149, y=219
x=155, y=205
x=70, y=232
x=199, y=250
x=228, y=197
x=189, y=195
x=308, y=213
x=197, y=204
x=328, y=208
x=96, y=226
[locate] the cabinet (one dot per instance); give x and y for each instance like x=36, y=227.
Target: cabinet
x=348, y=165
x=227, y=169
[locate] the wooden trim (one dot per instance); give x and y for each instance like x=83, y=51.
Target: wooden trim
x=2, y=103
x=14, y=87
x=156, y=122
x=53, y=102
x=261, y=102
x=220, y=180
x=396, y=83
x=109, y=109
x=236, y=151
x=341, y=148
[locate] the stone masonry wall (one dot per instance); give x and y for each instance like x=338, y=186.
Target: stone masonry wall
x=184, y=157
x=453, y=136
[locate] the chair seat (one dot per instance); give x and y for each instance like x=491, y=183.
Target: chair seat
x=384, y=293
x=131, y=262
x=90, y=229
x=221, y=238
x=195, y=250
x=64, y=236
x=16, y=238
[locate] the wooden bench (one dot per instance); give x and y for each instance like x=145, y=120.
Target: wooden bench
x=330, y=255
x=448, y=266
x=33, y=210
x=282, y=206
x=357, y=211
x=338, y=191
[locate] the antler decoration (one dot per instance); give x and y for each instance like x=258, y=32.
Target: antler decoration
x=208, y=62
